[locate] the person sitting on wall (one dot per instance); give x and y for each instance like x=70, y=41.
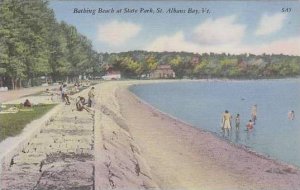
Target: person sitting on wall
x=80, y=104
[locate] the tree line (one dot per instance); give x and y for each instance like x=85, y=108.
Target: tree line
x=33, y=44
x=135, y=64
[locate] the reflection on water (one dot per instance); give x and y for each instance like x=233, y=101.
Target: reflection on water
x=234, y=135
x=203, y=103
x=237, y=136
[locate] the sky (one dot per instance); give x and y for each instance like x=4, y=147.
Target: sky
x=271, y=27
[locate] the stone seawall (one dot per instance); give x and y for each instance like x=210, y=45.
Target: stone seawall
x=10, y=146
x=70, y=149
x=59, y=156
x=119, y=163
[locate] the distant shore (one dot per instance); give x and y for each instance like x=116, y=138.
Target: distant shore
x=183, y=157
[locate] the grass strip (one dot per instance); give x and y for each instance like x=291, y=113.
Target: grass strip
x=12, y=124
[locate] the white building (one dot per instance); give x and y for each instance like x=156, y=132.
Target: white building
x=112, y=75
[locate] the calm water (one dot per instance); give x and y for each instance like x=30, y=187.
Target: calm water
x=202, y=104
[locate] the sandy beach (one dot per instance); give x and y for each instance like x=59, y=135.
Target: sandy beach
x=182, y=157
x=127, y=144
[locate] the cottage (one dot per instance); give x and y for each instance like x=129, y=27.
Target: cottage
x=162, y=71
x=112, y=74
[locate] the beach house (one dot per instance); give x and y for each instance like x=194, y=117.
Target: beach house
x=162, y=71
x=112, y=74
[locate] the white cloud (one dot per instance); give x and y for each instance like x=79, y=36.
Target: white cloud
x=270, y=23
x=223, y=35
x=288, y=46
x=219, y=31
x=219, y=35
x=177, y=42
x=117, y=33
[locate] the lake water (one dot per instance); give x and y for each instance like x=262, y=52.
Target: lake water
x=201, y=103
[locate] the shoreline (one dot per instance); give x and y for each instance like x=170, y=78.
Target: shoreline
x=133, y=145
x=236, y=145
x=272, y=169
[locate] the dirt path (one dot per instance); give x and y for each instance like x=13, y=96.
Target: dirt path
x=15, y=94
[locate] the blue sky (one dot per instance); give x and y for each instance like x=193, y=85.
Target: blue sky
x=230, y=26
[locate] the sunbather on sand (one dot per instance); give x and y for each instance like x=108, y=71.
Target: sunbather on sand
x=27, y=103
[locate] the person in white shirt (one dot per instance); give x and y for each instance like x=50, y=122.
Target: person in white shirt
x=65, y=94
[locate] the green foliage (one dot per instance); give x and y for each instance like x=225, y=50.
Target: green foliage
x=34, y=44
x=135, y=63
x=13, y=123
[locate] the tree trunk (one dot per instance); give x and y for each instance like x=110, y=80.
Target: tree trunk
x=13, y=83
x=29, y=82
x=20, y=83
x=53, y=78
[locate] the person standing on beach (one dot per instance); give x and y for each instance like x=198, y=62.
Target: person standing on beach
x=237, y=121
x=91, y=95
x=254, y=113
x=226, y=121
x=61, y=92
x=65, y=94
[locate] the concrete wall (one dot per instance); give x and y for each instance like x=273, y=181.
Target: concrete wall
x=12, y=145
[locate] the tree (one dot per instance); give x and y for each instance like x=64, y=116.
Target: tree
x=13, y=48
x=177, y=66
x=34, y=44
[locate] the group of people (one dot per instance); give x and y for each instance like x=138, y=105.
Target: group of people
x=81, y=103
x=227, y=118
